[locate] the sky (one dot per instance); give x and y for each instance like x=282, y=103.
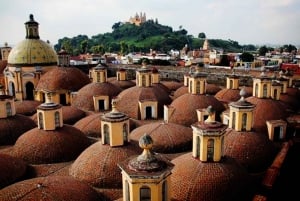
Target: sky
x=257, y=22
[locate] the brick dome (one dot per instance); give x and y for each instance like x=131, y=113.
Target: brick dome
x=63, y=78
x=11, y=170
x=50, y=188
x=98, y=164
x=13, y=127
x=38, y=146
x=253, y=150
x=128, y=100
x=194, y=180
x=84, y=98
x=90, y=125
x=168, y=137
x=266, y=109
x=26, y=107
x=186, y=105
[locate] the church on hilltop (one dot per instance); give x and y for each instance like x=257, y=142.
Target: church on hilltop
x=138, y=19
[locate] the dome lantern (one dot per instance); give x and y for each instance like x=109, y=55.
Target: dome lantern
x=32, y=28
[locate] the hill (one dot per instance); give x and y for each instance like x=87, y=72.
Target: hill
x=127, y=37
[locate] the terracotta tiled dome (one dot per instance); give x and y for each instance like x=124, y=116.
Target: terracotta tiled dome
x=26, y=107
x=168, y=137
x=228, y=95
x=63, y=78
x=129, y=99
x=194, y=180
x=84, y=98
x=90, y=125
x=70, y=115
x=50, y=188
x=97, y=165
x=266, y=109
x=186, y=105
x=38, y=146
x=211, y=89
x=253, y=150
x=172, y=85
x=123, y=84
x=13, y=127
x=11, y=170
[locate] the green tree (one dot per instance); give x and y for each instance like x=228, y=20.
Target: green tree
x=262, y=50
x=84, y=46
x=247, y=57
x=202, y=35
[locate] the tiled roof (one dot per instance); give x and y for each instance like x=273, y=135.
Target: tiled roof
x=26, y=107
x=50, y=188
x=168, y=137
x=253, y=150
x=186, y=105
x=90, y=125
x=13, y=127
x=63, y=78
x=266, y=109
x=97, y=165
x=228, y=95
x=38, y=146
x=128, y=100
x=84, y=98
x=213, y=181
x=11, y=170
x=123, y=84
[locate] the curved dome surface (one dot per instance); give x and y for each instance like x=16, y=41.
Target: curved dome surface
x=63, y=78
x=32, y=52
x=194, y=180
x=50, y=188
x=266, y=109
x=168, y=137
x=90, y=125
x=128, y=100
x=186, y=105
x=13, y=127
x=253, y=150
x=11, y=169
x=98, y=164
x=84, y=98
x=38, y=146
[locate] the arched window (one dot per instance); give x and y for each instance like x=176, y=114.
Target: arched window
x=222, y=146
x=57, y=119
x=106, y=134
x=198, y=87
x=40, y=120
x=265, y=91
x=233, y=120
x=275, y=93
x=143, y=80
x=191, y=86
x=244, y=121
x=230, y=84
x=8, y=109
x=204, y=86
x=98, y=76
x=145, y=193
x=256, y=90
x=210, y=150
x=198, y=143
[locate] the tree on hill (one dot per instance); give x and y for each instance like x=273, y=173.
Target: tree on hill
x=247, y=57
x=202, y=35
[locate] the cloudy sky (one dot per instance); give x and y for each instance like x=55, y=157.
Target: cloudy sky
x=245, y=21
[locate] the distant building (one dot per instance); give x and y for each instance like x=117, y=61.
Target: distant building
x=138, y=19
